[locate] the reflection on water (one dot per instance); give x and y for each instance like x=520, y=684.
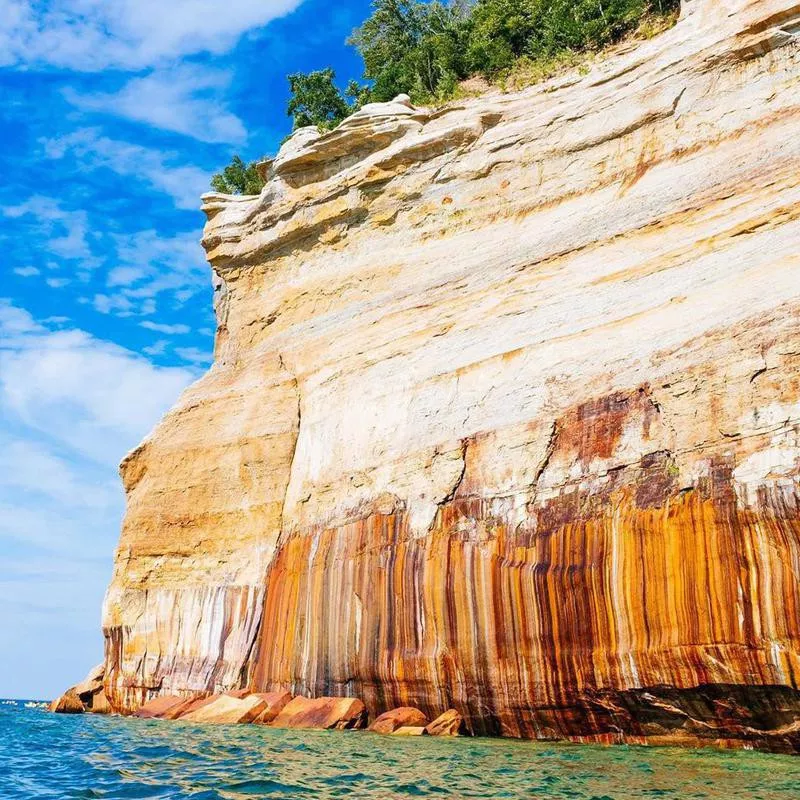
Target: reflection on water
x=47, y=756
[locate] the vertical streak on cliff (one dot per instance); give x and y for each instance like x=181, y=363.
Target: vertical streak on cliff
x=548, y=466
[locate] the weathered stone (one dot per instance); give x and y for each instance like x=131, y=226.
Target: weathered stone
x=405, y=716
x=98, y=703
x=228, y=710
x=158, y=707
x=418, y=730
x=451, y=723
x=276, y=702
x=92, y=683
x=68, y=703
x=192, y=704
x=91, y=692
x=340, y=713
x=504, y=414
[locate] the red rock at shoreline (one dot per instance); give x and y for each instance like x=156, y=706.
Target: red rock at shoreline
x=339, y=713
x=451, y=723
x=403, y=717
x=227, y=710
x=407, y=730
x=276, y=702
x=68, y=703
x=158, y=707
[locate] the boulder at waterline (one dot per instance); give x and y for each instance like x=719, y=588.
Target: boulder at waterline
x=451, y=723
x=405, y=716
x=68, y=703
x=228, y=710
x=339, y=713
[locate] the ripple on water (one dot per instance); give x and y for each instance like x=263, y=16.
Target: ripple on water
x=97, y=758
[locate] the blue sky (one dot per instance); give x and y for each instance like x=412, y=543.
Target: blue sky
x=115, y=113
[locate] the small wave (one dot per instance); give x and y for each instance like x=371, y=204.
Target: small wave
x=87, y=757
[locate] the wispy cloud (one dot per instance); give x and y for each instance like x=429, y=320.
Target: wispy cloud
x=79, y=392
x=170, y=330
x=162, y=170
x=93, y=35
x=63, y=231
x=195, y=355
x=186, y=99
x=149, y=267
x=71, y=406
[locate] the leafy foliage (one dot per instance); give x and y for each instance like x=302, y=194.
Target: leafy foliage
x=424, y=48
x=238, y=178
x=413, y=47
x=505, y=30
x=316, y=100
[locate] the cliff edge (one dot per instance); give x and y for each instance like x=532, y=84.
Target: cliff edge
x=504, y=414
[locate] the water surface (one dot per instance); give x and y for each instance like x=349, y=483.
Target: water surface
x=48, y=756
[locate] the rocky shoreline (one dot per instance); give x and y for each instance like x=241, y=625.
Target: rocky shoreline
x=276, y=709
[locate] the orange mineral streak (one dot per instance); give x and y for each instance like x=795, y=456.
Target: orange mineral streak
x=545, y=634
x=532, y=456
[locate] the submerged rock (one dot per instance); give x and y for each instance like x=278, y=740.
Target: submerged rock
x=339, y=713
x=405, y=716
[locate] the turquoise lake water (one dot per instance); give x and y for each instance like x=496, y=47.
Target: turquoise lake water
x=47, y=756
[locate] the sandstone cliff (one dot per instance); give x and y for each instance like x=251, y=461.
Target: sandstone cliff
x=504, y=414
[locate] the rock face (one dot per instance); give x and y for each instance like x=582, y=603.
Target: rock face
x=89, y=695
x=68, y=703
x=451, y=723
x=325, y=713
x=406, y=717
x=505, y=412
x=275, y=703
x=227, y=710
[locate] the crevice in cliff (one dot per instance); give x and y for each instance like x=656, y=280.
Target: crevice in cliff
x=555, y=430
x=450, y=496
x=299, y=419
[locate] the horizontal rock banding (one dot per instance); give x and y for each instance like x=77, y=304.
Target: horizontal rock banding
x=505, y=413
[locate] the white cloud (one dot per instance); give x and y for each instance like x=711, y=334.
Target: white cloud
x=150, y=267
x=129, y=34
x=161, y=170
x=173, y=266
x=57, y=283
x=71, y=406
x=185, y=99
x=167, y=329
x=63, y=231
x=157, y=348
x=27, y=272
x=88, y=395
x=194, y=355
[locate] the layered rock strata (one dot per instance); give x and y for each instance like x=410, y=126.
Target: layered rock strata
x=505, y=412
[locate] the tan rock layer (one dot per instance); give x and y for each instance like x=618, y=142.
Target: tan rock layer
x=505, y=412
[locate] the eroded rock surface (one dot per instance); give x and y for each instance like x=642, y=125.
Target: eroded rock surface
x=406, y=717
x=505, y=412
x=226, y=709
x=324, y=713
x=451, y=723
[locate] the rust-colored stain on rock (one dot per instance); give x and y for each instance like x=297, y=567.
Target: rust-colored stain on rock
x=538, y=465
